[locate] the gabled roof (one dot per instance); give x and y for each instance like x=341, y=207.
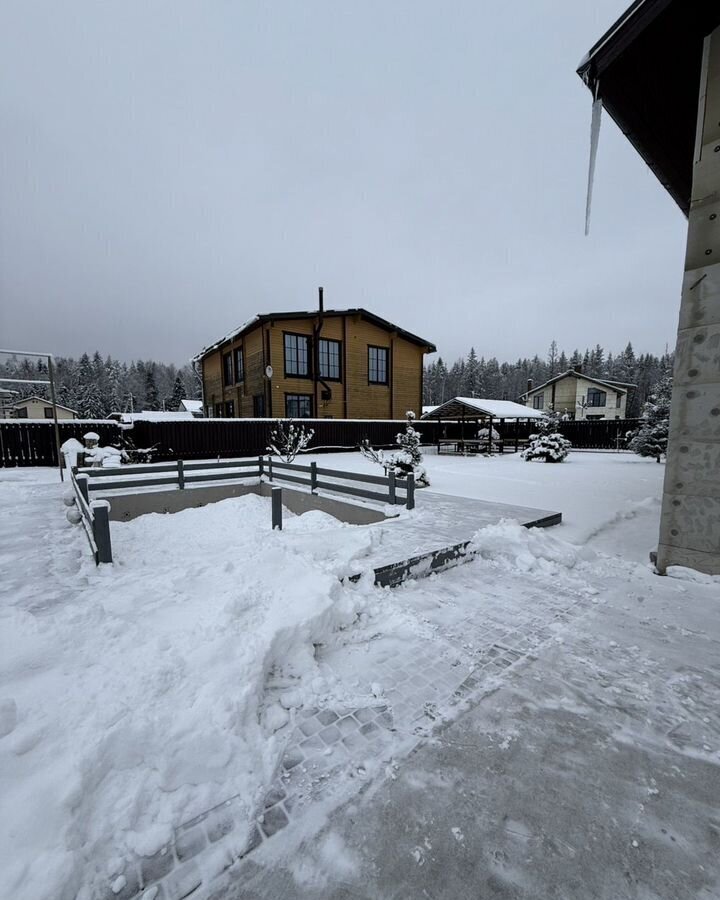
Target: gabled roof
x=41, y=400
x=646, y=70
x=475, y=406
x=313, y=314
x=621, y=387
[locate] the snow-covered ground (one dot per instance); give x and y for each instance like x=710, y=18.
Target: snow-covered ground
x=135, y=697
x=592, y=490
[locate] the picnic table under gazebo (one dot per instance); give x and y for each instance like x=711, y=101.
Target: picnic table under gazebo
x=467, y=411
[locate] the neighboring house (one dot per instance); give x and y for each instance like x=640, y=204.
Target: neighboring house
x=580, y=396
x=37, y=408
x=192, y=406
x=344, y=364
x=7, y=398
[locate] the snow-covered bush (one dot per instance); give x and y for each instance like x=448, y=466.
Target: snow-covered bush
x=286, y=440
x=651, y=437
x=406, y=460
x=548, y=444
x=483, y=435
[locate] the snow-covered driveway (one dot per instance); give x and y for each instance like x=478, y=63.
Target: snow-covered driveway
x=218, y=684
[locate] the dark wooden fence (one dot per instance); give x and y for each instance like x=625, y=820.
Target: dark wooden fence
x=204, y=438
x=33, y=443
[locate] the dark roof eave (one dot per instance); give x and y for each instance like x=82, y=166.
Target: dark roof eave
x=330, y=313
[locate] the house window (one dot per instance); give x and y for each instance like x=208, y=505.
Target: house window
x=230, y=409
x=239, y=365
x=209, y=412
x=329, y=359
x=21, y=413
x=298, y=406
x=227, y=369
x=618, y=402
x=218, y=410
x=538, y=401
x=297, y=355
x=596, y=416
x=377, y=365
x=259, y=406
x=596, y=397
x=47, y=412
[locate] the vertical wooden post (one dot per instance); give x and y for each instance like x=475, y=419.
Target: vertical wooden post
x=391, y=487
x=82, y=483
x=101, y=529
x=181, y=474
x=277, y=508
x=313, y=477
x=260, y=466
x=410, y=503
x=490, y=431
x=270, y=467
x=51, y=376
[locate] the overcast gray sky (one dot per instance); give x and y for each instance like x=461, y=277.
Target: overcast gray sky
x=168, y=169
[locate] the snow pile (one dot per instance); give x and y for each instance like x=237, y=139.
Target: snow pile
x=527, y=549
x=140, y=696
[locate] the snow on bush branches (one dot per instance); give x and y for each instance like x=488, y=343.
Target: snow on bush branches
x=286, y=440
x=651, y=438
x=406, y=460
x=548, y=444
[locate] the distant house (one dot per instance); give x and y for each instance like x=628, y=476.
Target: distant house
x=7, y=398
x=38, y=408
x=195, y=407
x=344, y=364
x=580, y=396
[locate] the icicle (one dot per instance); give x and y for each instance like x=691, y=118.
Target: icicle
x=594, y=137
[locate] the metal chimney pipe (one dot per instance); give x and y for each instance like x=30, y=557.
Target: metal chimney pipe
x=321, y=303
x=530, y=384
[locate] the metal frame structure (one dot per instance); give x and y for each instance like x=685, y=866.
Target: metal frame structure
x=51, y=381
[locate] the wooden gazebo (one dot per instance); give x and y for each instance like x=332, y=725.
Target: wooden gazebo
x=476, y=411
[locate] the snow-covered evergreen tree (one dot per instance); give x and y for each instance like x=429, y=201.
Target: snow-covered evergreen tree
x=151, y=391
x=652, y=436
x=178, y=394
x=548, y=444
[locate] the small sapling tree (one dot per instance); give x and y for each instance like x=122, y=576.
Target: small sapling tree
x=406, y=460
x=286, y=439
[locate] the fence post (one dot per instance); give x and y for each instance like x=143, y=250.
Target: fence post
x=313, y=477
x=410, y=504
x=270, y=467
x=391, y=487
x=277, y=508
x=260, y=466
x=181, y=474
x=82, y=483
x=101, y=529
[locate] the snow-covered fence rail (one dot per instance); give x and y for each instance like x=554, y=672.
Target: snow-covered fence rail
x=317, y=477
x=182, y=474
x=94, y=518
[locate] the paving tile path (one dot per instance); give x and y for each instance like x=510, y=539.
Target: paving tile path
x=457, y=655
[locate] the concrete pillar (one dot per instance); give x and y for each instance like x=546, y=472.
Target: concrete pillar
x=690, y=523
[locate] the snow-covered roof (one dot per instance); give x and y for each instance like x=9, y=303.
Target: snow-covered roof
x=191, y=405
x=152, y=415
x=41, y=400
x=472, y=406
x=428, y=409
